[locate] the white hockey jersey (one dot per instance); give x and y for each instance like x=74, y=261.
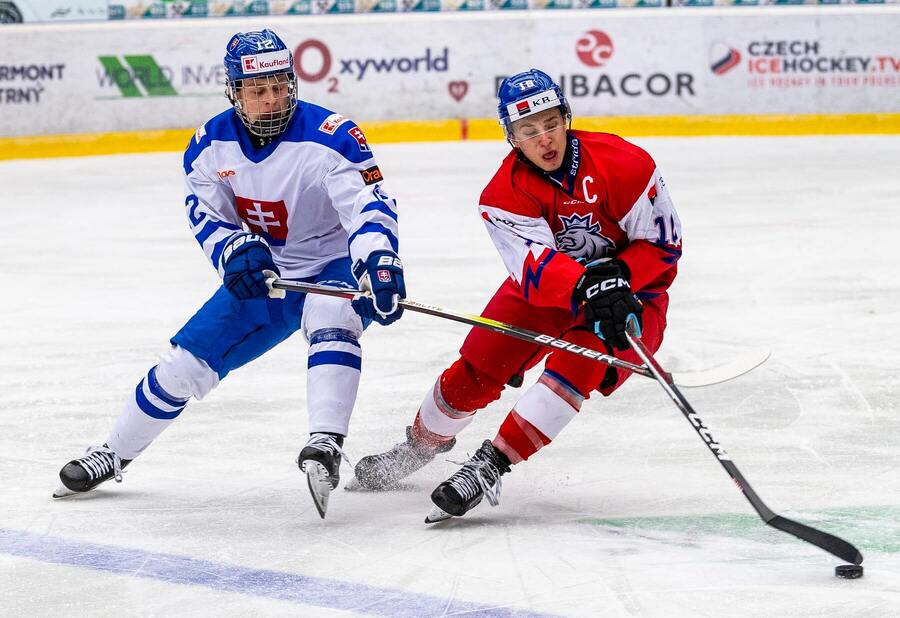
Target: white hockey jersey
x=314, y=193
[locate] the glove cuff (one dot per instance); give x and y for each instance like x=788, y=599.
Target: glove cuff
x=240, y=242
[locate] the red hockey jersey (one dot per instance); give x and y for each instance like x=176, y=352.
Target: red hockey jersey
x=607, y=200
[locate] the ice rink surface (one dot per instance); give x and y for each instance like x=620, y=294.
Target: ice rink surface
x=789, y=244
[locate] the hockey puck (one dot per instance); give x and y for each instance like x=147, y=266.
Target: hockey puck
x=849, y=571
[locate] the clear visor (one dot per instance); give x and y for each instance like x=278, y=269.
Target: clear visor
x=266, y=103
x=532, y=127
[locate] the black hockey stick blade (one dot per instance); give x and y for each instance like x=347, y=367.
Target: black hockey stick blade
x=830, y=543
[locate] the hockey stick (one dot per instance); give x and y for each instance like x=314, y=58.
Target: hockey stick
x=830, y=543
x=716, y=375
x=472, y=320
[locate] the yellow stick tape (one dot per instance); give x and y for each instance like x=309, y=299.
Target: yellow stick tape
x=175, y=140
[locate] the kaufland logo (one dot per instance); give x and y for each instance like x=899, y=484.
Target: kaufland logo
x=272, y=61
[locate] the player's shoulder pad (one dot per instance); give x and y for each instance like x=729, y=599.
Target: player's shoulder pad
x=335, y=131
x=222, y=127
x=498, y=186
x=509, y=188
x=617, y=151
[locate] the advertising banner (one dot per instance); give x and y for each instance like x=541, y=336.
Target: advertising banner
x=50, y=11
x=128, y=76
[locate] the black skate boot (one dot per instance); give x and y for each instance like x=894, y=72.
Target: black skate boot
x=478, y=477
x=386, y=470
x=320, y=459
x=98, y=465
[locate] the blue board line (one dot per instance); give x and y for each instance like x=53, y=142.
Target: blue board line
x=280, y=585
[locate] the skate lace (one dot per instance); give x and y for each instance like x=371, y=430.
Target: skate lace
x=477, y=475
x=101, y=460
x=327, y=444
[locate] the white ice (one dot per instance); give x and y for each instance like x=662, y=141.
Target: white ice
x=789, y=243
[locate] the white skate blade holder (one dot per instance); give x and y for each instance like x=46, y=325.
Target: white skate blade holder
x=62, y=492
x=437, y=514
x=319, y=486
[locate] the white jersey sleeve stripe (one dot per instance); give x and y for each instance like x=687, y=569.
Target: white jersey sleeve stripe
x=381, y=207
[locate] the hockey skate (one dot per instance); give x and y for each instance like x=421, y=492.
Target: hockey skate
x=98, y=465
x=320, y=460
x=386, y=470
x=478, y=477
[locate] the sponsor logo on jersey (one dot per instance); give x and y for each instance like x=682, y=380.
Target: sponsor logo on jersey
x=331, y=124
x=223, y=174
x=357, y=134
x=580, y=237
x=201, y=131
x=371, y=175
x=263, y=63
x=268, y=219
x=651, y=194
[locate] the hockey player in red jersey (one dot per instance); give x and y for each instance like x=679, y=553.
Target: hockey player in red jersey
x=586, y=229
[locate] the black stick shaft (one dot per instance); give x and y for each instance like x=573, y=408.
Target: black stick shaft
x=830, y=543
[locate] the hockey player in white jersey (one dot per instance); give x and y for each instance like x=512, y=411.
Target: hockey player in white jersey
x=274, y=186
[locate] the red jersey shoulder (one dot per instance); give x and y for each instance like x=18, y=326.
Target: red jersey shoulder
x=512, y=188
x=625, y=167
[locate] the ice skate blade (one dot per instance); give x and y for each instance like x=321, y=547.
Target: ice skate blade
x=319, y=486
x=62, y=492
x=437, y=514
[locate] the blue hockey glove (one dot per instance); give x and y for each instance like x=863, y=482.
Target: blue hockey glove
x=244, y=259
x=382, y=275
x=609, y=301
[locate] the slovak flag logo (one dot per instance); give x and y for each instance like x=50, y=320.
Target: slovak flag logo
x=384, y=276
x=268, y=219
x=357, y=134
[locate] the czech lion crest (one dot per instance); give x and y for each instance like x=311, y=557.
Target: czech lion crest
x=581, y=238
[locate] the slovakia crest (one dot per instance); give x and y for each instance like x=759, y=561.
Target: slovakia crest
x=581, y=238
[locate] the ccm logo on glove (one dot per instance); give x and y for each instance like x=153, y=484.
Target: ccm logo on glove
x=603, y=286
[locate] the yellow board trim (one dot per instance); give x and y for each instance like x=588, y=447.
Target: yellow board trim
x=175, y=140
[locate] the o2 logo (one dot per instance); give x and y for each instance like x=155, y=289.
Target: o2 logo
x=316, y=53
x=594, y=48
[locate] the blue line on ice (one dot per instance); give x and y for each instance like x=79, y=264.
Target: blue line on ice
x=291, y=587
